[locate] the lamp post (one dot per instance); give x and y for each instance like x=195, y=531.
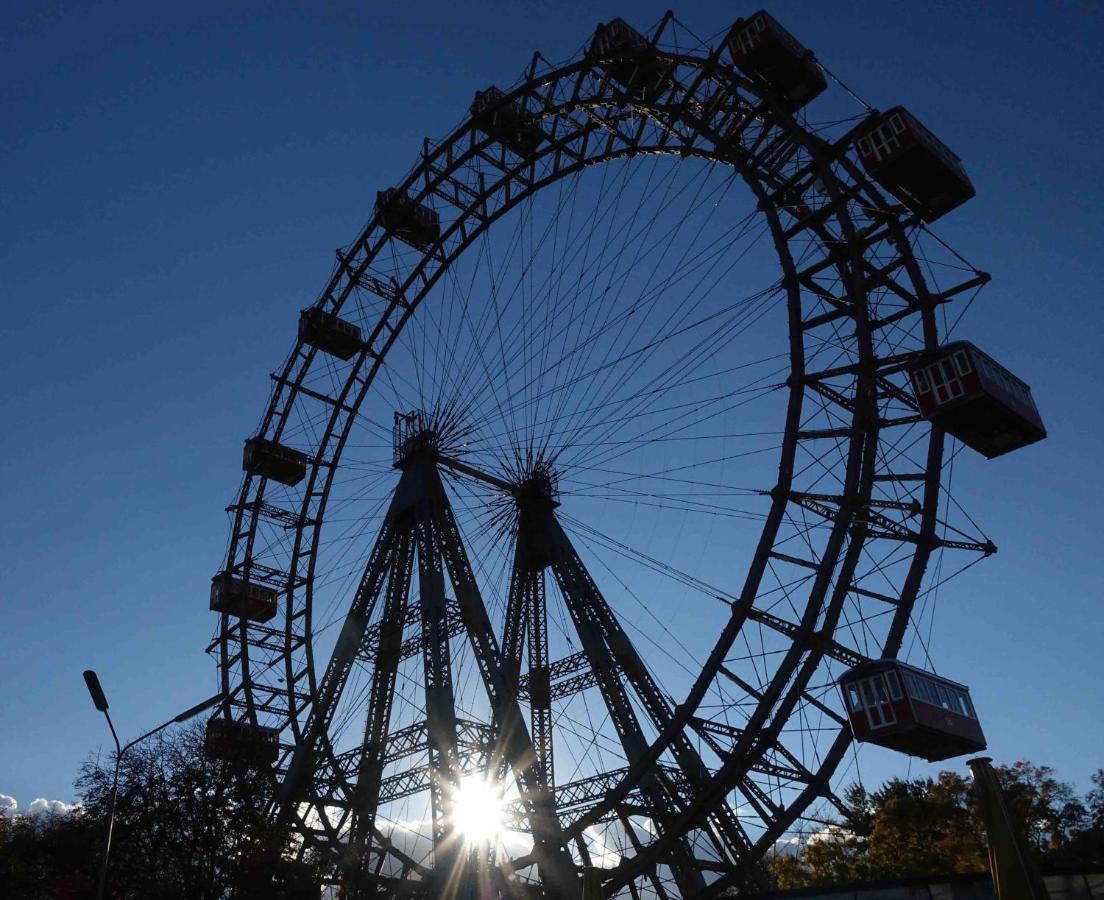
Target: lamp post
x=100, y=701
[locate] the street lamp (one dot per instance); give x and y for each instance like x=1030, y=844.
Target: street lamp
x=100, y=701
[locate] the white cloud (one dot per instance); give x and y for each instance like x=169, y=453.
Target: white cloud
x=8, y=806
x=41, y=806
x=830, y=833
x=603, y=854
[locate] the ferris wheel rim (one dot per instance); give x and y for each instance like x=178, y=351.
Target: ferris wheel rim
x=863, y=436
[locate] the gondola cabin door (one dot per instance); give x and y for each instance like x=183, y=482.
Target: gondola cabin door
x=879, y=711
x=947, y=378
x=871, y=702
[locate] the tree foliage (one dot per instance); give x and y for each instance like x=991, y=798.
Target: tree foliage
x=48, y=855
x=188, y=827
x=932, y=826
x=182, y=819
x=182, y=823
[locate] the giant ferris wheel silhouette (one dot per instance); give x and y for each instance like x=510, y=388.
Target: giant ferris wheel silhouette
x=615, y=440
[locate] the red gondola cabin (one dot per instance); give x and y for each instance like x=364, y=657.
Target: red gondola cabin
x=328, y=333
x=629, y=58
x=508, y=123
x=411, y=222
x=976, y=399
x=895, y=705
x=767, y=53
x=913, y=164
x=238, y=597
x=270, y=459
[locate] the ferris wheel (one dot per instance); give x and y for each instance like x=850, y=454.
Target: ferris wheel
x=613, y=443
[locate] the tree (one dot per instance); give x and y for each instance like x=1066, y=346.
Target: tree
x=182, y=821
x=787, y=870
x=924, y=826
x=1048, y=809
x=1085, y=845
x=186, y=826
x=48, y=856
x=1094, y=801
x=932, y=826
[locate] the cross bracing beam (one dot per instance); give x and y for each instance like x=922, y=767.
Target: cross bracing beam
x=560, y=685
x=285, y=517
x=575, y=797
x=413, y=644
x=831, y=647
x=570, y=686
x=805, y=696
x=418, y=779
x=268, y=575
x=792, y=770
x=413, y=739
x=878, y=525
x=474, y=740
x=561, y=668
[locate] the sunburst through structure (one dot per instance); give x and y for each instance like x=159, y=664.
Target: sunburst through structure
x=477, y=810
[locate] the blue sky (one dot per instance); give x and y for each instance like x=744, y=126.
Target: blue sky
x=176, y=179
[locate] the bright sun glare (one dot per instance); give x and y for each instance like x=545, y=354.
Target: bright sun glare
x=477, y=810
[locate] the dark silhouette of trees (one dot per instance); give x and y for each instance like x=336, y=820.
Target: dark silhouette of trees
x=931, y=826
x=1085, y=821
x=49, y=856
x=190, y=827
x=182, y=824
x=182, y=819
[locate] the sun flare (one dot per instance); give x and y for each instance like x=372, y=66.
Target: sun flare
x=477, y=810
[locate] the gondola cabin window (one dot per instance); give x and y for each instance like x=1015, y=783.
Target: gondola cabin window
x=883, y=141
x=874, y=697
x=616, y=36
x=751, y=36
x=925, y=690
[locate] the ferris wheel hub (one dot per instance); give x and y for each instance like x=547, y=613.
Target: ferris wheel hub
x=413, y=437
x=539, y=488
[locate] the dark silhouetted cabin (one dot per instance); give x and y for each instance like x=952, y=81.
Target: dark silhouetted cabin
x=238, y=597
x=411, y=222
x=506, y=122
x=273, y=460
x=251, y=745
x=770, y=56
x=913, y=164
x=628, y=58
x=974, y=398
x=895, y=705
x=328, y=333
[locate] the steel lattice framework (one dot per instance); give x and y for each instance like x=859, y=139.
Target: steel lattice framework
x=712, y=778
